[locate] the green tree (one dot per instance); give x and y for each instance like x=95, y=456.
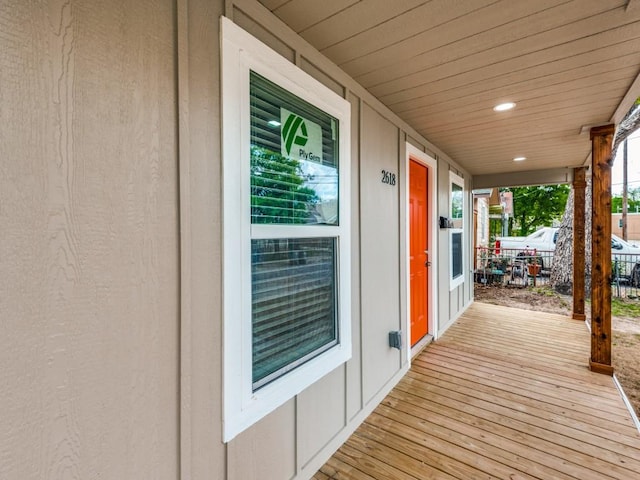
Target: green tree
x=633, y=201
x=278, y=194
x=535, y=207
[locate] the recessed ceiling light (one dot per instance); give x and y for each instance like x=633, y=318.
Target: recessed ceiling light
x=274, y=123
x=503, y=107
x=519, y=159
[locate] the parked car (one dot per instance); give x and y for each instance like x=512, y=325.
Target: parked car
x=626, y=261
x=532, y=247
x=618, y=245
x=542, y=239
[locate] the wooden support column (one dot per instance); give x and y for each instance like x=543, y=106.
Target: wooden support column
x=601, y=140
x=579, y=186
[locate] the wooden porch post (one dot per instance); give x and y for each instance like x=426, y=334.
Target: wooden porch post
x=601, y=140
x=579, y=186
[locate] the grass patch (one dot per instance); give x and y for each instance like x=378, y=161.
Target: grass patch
x=621, y=307
x=550, y=293
x=546, y=291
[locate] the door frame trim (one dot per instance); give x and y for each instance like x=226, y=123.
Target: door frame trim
x=412, y=153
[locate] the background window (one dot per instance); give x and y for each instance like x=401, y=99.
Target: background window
x=456, y=204
x=456, y=234
x=456, y=254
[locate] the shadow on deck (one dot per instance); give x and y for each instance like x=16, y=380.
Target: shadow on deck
x=505, y=393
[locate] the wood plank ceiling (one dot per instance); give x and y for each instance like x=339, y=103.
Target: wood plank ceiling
x=442, y=65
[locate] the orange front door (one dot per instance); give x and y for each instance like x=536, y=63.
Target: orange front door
x=418, y=256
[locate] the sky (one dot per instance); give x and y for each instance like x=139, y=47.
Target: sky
x=633, y=165
x=324, y=179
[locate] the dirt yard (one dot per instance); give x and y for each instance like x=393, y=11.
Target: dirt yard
x=625, y=324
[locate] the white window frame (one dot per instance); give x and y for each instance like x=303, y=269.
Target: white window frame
x=242, y=53
x=459, y=280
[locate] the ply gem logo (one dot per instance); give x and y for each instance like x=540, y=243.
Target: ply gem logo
x=294, y=132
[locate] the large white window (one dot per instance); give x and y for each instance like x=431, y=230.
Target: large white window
x=456, y=234
x=286, y=229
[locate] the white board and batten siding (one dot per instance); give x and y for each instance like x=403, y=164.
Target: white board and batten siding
x=110, y=203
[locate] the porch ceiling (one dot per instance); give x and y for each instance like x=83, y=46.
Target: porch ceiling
x=442, y=65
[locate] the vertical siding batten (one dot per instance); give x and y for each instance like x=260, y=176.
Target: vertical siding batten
x=199, y=160
x=403, y=288
x=355, y=394
x=184, y=169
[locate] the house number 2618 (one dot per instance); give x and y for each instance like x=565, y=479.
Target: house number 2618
x=388, y=178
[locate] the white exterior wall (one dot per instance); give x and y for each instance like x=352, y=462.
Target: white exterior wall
x=111, y=249
x=482, y=230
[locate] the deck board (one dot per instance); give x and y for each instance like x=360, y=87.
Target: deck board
x=505, y=393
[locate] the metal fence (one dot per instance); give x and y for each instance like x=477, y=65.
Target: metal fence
x=512, y=266
x=522, y=268
x=625, y=273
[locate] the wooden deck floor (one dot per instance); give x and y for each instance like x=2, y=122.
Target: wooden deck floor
x=505, y=393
